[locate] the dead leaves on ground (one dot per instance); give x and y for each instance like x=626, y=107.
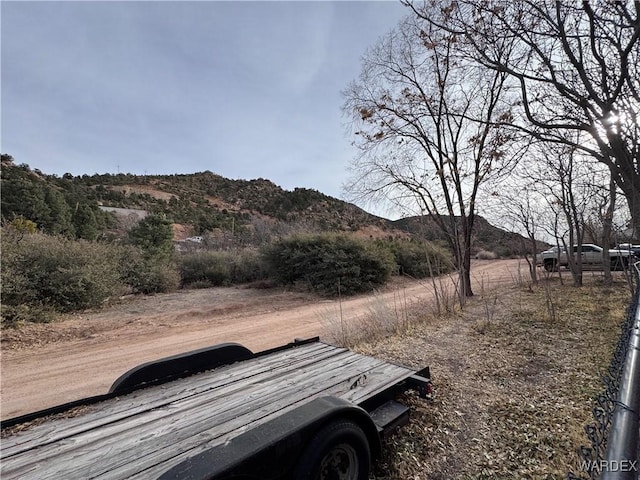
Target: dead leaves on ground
x=513, y=392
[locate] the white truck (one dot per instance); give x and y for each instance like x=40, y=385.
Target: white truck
x=592, y=257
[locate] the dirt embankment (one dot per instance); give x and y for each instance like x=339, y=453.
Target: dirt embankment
x=45, y=365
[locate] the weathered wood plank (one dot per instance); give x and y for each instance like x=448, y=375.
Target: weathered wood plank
x=156, y=397
x=137, y=423
x=177, y=419
x=237, y=420
x=143, y=434
x=338, y=390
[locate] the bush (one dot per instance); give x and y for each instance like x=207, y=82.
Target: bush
x=145, y=274
x=330, y=264
x=55, y=273
x=12, y=315
x=214, y=268
x=486, y=255
x=419, y=259
x=44, y=275
x=204, y=269
x=248, y=265
x=154, y=276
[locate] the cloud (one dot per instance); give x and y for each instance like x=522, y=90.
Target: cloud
x=244, y=89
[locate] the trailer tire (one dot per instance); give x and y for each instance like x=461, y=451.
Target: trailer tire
x=339, y=451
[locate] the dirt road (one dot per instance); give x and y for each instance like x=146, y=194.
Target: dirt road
x=45, y=365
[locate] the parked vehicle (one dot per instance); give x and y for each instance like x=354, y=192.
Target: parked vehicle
x=306, y=410
x=591, y=255
x=635, y=249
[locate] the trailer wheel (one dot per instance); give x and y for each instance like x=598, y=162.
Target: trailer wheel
x=340, y=451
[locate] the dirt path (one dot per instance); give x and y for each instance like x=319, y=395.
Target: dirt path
x=45, y=365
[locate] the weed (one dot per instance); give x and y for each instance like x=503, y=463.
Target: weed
x=385, y=316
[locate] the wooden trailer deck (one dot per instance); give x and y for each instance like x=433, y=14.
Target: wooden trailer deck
x=143, y=434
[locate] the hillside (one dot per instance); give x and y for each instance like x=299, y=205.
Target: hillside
x=485, y=236
x=203, y=204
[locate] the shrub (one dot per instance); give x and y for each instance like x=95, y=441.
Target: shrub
x=486, y=255
x=154, y=276
x=14, y=280
x=153, y=234
x=248, y=265
x=43, y=275
x=12, y=315
x=145, y=274
x=419, y=259
x=203, y=268
x=330, y=263
x=56, y=273
x=213, y=268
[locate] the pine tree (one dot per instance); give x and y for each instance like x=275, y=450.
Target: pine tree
x=59, y=220
x=84, y=221
x=154, y=236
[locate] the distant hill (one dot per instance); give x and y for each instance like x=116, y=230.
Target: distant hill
x=485, y=236
x=205, y=203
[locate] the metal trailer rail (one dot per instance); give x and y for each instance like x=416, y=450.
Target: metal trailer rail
x=622, y=447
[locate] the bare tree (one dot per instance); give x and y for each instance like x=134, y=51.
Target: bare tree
x=569, y=182
x=425, y=124
x=576, y=65
x=560, y=161
x=600, y=220
x=520, y=204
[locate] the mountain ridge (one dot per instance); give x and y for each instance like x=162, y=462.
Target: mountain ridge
x=205, y=202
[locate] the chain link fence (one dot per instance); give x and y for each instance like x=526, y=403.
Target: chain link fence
x=613, y=453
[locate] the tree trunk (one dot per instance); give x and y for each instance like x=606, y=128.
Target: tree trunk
x=467, y=227
x=633, y=199
x=466, y=274
x=532, y=264
x=607, y=226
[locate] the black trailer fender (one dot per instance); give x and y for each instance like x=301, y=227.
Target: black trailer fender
x=276, y=448
x=178, y=366
x=153, y=373
x=162, y=371
x=189, y=363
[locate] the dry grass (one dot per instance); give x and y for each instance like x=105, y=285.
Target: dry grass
x=514, y=387
x=382, y=319
x=390, y=317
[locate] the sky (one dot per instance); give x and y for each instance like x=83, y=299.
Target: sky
x=243, y=89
